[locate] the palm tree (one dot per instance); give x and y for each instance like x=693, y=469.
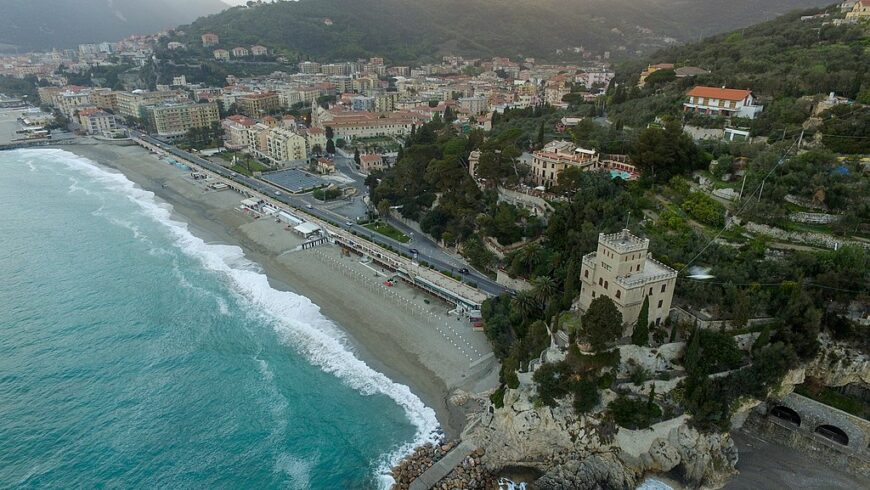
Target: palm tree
x=526, y=304
x=529, y=257
x=544, y=289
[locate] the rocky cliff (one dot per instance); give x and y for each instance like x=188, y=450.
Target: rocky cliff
x=590, y=452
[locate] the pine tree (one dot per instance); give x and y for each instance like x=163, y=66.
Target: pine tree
x=330, y=147
x=356, y=156
x=640, y=336
x=541, y=135
x=693, y=352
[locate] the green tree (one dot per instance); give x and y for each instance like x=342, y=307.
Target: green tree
x=356, y=156
x=661, y=153
x=541, y=135
x=329, y=132
x=602, y=323
x=640, y=336
x=692, y=357
x=330, y=147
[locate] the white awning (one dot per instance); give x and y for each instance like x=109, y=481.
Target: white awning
x=307, y=228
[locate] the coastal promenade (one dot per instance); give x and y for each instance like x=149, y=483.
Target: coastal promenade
x=350, y=236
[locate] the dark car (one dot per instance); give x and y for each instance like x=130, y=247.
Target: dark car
x=463, y=271
x=414, y=251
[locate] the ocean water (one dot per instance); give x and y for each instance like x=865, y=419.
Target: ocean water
x=133, y=354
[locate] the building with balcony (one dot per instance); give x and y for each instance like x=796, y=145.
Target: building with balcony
x=285, y=145
x=258, y=105
x=724, y=102
x=174, y=119
x=555, y=157
x=623, y=270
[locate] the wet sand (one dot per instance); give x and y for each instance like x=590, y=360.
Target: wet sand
x=388, y=337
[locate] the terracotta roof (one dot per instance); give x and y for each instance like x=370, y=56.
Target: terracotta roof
x=719, y=93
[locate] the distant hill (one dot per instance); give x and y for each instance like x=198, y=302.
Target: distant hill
x=44, y=24
x=403, y=30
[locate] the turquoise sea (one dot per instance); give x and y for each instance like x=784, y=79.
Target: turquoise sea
x=134, y=355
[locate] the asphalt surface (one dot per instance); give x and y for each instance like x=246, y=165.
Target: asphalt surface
x=428, y=250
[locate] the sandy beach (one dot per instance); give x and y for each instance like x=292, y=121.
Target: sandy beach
x=401, y=332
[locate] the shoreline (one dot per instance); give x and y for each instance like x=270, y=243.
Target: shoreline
x=373, y=326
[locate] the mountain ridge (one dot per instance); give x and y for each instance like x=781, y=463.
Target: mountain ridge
x=404, y=31
x=46, y=24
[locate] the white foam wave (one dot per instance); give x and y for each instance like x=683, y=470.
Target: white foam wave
x=298, y=470
x=297, y=320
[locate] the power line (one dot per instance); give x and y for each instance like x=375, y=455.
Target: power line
x=746, y=203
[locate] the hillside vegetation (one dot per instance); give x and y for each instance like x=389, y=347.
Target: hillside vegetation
x=403, y=31
x=781, y=61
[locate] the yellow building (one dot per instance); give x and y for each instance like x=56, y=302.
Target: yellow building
x=258, y=105
x=555, y=157
x=172, y=119
x=285, y=145
x=624, y=271
x=860, y=11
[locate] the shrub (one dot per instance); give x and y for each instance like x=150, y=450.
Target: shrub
x=634, y=414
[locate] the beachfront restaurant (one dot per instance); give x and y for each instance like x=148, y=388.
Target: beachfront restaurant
x=307, y=230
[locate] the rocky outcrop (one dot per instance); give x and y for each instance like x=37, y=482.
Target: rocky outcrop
x=419, y=461
x=589, y=452
x=839, y=364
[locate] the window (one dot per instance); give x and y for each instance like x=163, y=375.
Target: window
x=593, y=294
x=586, y=273
x=650, y=292
x=606, y=284
x=664, y=286
x=618, y=293
x=638, y=268
x=660, y=303
x=600, y=281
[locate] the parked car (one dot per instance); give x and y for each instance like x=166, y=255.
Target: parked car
x=463, y=270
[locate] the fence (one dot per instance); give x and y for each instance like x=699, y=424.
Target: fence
x=444, y=328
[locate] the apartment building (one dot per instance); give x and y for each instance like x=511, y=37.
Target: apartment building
x=173, y=119
x=259, y=104
x=284, y=145
x=555, y=157
x=623, y=270
x=237, y=131
x=96, y=121
x=474, y=105
x=132, y=104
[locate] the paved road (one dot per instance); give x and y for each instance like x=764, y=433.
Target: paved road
x=441, y=261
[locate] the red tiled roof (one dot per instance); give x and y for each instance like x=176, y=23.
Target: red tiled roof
x=719, y=93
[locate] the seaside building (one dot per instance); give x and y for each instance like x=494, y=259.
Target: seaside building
x=97, y=121
x=555, y=157
x=173, y=119
x=285, y=145
x=237, y=130
x=623, y=270
x=131, y=104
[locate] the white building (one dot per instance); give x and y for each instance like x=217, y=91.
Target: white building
x=623, y=270
x=725, y=102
